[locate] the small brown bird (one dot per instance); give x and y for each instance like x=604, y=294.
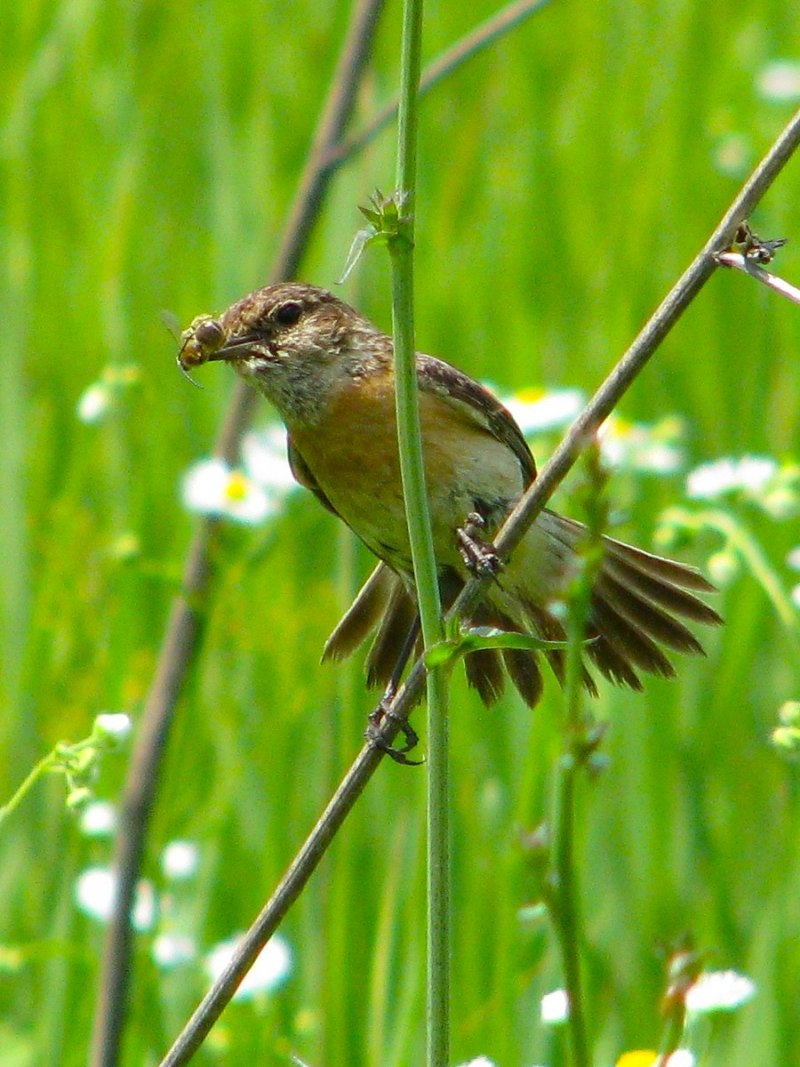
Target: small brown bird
x=330, y=374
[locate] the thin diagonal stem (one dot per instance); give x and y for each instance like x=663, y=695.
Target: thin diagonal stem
x=737, y=261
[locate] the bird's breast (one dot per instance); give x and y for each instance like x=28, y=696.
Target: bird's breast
x=353, y=455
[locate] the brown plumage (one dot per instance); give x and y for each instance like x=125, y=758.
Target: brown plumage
x=330, y=374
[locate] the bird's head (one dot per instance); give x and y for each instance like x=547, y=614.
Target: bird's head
x=294, y=342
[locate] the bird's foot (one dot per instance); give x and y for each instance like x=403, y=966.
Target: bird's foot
x=374, y=734
x=480, y=556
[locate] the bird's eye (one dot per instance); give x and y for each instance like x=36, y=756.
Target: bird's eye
x=289, y=313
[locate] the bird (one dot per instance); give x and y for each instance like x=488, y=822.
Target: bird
x=329, y=372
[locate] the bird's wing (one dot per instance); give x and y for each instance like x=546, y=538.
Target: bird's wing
x=302, y=474
x=477, y=404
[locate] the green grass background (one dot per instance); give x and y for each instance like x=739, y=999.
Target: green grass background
x=148, y=153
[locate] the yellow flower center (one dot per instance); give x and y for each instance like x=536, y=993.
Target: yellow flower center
x=237, y=487
x=532, y=395
x=638, y=1058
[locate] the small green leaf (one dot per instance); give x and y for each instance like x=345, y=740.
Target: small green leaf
x=477, y=638
x=462, y=641
x=444, y=653
x=362, y=239
x=374, y=218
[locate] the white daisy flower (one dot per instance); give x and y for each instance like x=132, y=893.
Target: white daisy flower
x=750, y=475
x=540, y=410
x=554, y=1007
x=169, y=950
x=638, y=447
x=719, y=991
x=94, y=403
x=114, y=726
x=270, y=970
x=180, y=860
x=101, y=397
x=98, y=819
x=211, y=487
x=779, y=81
x=95, y=894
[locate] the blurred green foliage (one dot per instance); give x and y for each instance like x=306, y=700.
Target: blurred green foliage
x=148, y=154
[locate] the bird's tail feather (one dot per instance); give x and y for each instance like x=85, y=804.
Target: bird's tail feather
x=636, y=606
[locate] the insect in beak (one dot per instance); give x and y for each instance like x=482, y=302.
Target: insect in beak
x=200, y=343
x=183, y=370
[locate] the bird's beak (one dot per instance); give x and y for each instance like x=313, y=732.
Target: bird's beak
x=234, y=348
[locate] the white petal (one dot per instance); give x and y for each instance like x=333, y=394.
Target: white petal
x=536, y=413
x=169, y=950
x=94, y=403
x=204, y=486
x=711, y=480
x=95, y=890
x=265, y=459
x=99, y=819
x=116, y=725
x=179, y=860
x=555, y=1007
x=780, y=80
x=271, y=968
x=719, y=991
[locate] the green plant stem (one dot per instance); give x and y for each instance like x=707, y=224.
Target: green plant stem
x=671, y=1039
x=45, y=764
x=421, y=538
x=411, y=457
x=564, y=904
x=483, y=36
x=64, y=758
x=740, y=538
x=563, y=880
x=410, y=443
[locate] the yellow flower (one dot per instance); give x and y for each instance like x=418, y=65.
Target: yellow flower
x=637, y=1058
x=645, y=1057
